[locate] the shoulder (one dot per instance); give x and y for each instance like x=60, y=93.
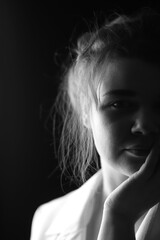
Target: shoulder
x=45, y=214
x=69, y=213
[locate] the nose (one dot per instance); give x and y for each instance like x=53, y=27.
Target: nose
x=145, y=122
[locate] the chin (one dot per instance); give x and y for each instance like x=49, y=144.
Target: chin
x=132, y=169
x=131, y=165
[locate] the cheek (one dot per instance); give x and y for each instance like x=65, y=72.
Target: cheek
x=101, y=133
x=118, y=126
x=110, y=135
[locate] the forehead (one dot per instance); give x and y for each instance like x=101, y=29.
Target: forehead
x=130, y=74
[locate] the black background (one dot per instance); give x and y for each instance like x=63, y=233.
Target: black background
x=32, y=35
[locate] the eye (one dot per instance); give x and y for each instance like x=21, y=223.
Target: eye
x=121, y=104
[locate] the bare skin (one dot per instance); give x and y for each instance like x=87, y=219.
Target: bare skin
x=131, y=199
x=126, y=132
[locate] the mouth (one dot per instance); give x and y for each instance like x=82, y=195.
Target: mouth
x=138, y=152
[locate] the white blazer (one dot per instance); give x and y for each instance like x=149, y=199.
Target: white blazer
x=67, y=217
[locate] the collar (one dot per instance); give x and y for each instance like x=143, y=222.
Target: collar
x=149, y=228
x=75, y=211
x=75, y=214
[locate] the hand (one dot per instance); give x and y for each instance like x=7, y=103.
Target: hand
x=131, y=199
x=139, y=192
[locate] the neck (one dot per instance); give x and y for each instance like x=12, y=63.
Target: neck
x=111, y=180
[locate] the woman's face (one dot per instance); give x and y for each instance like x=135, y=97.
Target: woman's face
x=127, y=121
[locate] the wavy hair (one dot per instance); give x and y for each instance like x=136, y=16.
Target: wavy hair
x=135, y=36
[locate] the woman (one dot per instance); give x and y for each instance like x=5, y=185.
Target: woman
x=110, y=98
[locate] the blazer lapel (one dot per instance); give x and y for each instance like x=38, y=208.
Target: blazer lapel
x=150, y=227
x=75, y=214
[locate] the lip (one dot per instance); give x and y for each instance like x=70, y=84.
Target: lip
x=139, y=152
x=140, y=147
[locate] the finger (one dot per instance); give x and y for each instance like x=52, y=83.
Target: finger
x=148, y=168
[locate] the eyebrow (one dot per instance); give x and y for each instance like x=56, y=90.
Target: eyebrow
x=121, y=92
